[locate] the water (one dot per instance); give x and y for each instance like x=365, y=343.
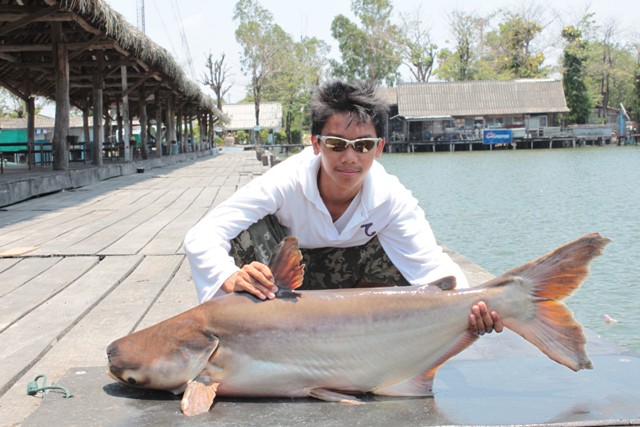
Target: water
x=504, y=208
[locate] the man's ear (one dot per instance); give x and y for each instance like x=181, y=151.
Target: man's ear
x=380, y=147
x=315, y=142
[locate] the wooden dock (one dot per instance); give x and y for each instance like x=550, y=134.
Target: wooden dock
x=419, y=146
x=81, y=268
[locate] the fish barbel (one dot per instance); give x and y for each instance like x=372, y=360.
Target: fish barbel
x=333, y=344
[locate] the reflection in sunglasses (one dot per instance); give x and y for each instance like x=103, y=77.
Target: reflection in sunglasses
x=361, y=145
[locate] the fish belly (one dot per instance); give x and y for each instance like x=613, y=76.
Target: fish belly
x=337, y=344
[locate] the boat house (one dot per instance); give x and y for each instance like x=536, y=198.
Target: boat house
x=460, y=111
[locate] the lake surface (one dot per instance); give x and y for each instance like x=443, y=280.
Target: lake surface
x=504, y=208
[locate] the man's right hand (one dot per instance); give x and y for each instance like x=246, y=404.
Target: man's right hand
x=255, y=278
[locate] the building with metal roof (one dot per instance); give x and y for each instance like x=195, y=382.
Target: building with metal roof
x=450, y=110
x=242, y=116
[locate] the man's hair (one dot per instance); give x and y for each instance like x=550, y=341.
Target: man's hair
x=360, y=99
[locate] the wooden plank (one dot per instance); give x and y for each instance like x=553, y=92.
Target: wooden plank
x=7, y=263
x=90, y=237
x=180, y=295
x=17, y=303
x=149, y=225
x=85, y=344
x=21, y=272
x=98, y=241
x=169, y=240
x=21, y=347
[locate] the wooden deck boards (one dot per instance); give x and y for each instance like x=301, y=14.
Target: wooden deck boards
x=102, y=261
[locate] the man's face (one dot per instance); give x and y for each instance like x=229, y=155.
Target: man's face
x=345, y=170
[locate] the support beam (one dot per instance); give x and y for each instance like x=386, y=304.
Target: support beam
x=61, y=127
x=125, y=115
x=98, y=101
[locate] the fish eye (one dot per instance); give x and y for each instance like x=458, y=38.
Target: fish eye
x=131, y=380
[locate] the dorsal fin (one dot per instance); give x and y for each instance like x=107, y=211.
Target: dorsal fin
x=447, y=283
x=285, y=264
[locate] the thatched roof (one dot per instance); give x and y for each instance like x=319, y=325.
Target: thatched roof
x=89, y=28
x=481, y=98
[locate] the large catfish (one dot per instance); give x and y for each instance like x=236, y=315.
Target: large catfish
x=333, y=344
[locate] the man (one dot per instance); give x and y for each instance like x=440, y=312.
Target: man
x=356, y=224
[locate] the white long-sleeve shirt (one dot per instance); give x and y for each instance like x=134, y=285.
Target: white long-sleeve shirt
x=289, y=190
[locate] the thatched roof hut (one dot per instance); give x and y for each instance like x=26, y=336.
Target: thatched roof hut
x=96, y=36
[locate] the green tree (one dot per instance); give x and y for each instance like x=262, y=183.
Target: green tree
x=467, y=60
x=259, y=38
x=574, y=77
x=300, y=71
x=635, y=102
x=512, y=47
x=369, y=53
x=418, y=51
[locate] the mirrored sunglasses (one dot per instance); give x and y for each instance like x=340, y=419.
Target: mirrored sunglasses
x=361, y=145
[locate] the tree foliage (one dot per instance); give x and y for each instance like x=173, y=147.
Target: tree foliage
x=369, y=52
x=418, y=50
x=574, y=77
x=259, y=38
x=467, y=60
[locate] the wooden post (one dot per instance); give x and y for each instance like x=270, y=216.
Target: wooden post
x=87, y=135
x=158, y=124
x=143, y=124
x=98, y=102
x=125, y=114
x=171, y=129
x=193, y=141
x=61, y=127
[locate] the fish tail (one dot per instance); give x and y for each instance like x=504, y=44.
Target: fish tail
x=549, y=279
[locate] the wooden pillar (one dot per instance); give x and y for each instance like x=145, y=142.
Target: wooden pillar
x=179, y=132
x=143, y=124
x=193, y=141
x=125, y=114
x=87, y=135
x=61, y=127
x=171, y=129
x=158, y=124
x=31, y=126
x=98, y=102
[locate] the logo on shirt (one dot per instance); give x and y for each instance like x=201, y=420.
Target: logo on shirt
x=367, y=229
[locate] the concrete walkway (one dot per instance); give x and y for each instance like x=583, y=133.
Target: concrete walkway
x=82, y=267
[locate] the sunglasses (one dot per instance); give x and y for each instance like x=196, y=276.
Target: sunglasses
x=337, y=144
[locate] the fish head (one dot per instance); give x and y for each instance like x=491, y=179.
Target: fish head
x=165, y=356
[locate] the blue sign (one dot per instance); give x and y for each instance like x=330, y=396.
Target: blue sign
x=497, y=136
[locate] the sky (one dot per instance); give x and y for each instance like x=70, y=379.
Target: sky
x=194, y=28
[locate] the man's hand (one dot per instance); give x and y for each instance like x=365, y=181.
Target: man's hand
x=482, y=321
x=255, y=278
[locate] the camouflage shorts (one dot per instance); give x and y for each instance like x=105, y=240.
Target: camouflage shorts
x=325, y=268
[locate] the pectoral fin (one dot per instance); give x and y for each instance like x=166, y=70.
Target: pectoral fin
x=198, y=397
x=333, y=396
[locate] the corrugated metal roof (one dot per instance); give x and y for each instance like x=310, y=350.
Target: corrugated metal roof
x=481, y=98
x=390, y=94
x=243, y=116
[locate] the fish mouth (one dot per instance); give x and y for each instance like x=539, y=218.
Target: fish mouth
x=113, y=376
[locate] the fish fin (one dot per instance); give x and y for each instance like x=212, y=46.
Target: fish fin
x=550, y=279
x=285, y=264
x=333, y=396
x=421, y=385
x=447, y=283
x=198, y=397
